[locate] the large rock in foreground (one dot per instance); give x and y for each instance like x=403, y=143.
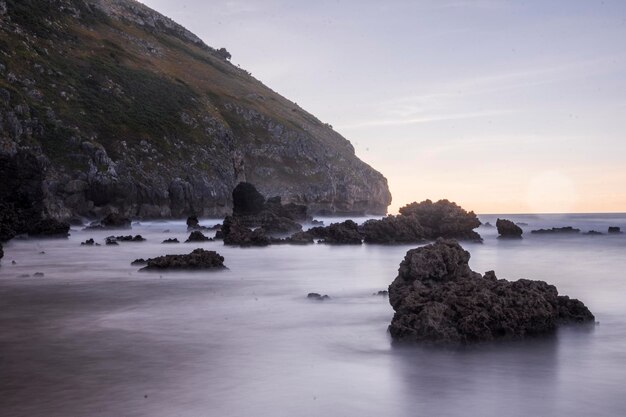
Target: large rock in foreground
x=439, y=299
x=198, y=259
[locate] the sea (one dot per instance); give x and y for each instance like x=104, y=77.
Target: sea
x=93, y=336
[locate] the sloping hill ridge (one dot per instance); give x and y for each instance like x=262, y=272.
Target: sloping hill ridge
x=119, y=108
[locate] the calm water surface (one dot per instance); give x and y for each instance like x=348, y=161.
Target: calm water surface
x=94, y=337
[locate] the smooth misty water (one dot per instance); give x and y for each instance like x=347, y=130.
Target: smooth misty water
x=94, y=337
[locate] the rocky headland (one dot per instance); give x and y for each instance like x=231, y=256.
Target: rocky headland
x=107, y=106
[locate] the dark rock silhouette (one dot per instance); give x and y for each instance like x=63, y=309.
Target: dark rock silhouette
x=171, y=240
x=247, y=200
x=197, y=236
x=317, y=297
x=1, y=251
x=111, y=221
x=234, y=233
x=88, y=242
x=139, y=261
x=508, y=229
x=111, y=241
x=594, y=233
x=344, y=233
x=382, y=293
x=198, y=259
x=192, y=222
x=614, y=229
x=49, y=228
x=443, y=219
x=556, y=230
x=393, y=229
x=489, y=225
x=438, y=299
x=129, y=238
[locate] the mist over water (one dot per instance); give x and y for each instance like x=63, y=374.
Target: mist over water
x=95, y=337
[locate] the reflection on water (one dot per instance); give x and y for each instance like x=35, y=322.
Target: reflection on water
x=94, y=337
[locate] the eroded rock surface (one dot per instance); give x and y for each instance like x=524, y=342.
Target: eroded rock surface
x=438, y=299
x=198, y=259
x=508, y=229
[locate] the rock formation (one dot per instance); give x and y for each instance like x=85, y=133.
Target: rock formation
x=508, y=229
x=393, y=229
x=116, y=108
x=556, y=230
x=438, y=299
x=614, y=229
x=234, y=233
x=443, y=219
x=197, y=236
x=198, y=259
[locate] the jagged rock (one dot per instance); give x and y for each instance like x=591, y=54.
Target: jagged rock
x=345, y=233
x=614, y=229
x=317, y=223
x=382, y=293
x=198, y=259
x=393, y=229
x=171, y=240
x=192, y=222
x=438, y=299
x=317, y=297
x=139, y=261
x=234, y=233
x=300, y=238
x=443, y=219
x=111, y=241
x=49, y=228
x=129, y=238
x=508, y=229
x=197, y=236
x=247, y=200
x=88, y=242
x=488, y=225
x=556, y=230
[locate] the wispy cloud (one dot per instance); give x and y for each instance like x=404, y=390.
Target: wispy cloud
x=422, y=119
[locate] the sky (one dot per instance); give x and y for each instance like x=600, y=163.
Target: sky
x=501, y=106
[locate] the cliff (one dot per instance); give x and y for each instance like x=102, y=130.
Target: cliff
x=124, y=110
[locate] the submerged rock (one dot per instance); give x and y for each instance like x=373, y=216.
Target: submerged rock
x=197, y=236
x=198, y=259
x=317, y=297
x=129, y=238
x=438, y=299
x=111, y=221
x=171, y=240
x=382, y=293
x=508, y=229
x=556, y=230
x=594, y=233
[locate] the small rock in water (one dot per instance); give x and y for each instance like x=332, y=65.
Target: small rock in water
x=317, y=297
x=198, y=259
x=111, y=241
x=508, y=229
x=139, y=261
x=382, y=293
x=556, y=230
x=39, y=274
x=24, y=276
x=594, y=233
x=487, y=224
x=88, y=242
x=197, y=236
x=171, y=240
x=615, y=229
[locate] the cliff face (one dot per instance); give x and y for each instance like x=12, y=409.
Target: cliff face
x=127, y=111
